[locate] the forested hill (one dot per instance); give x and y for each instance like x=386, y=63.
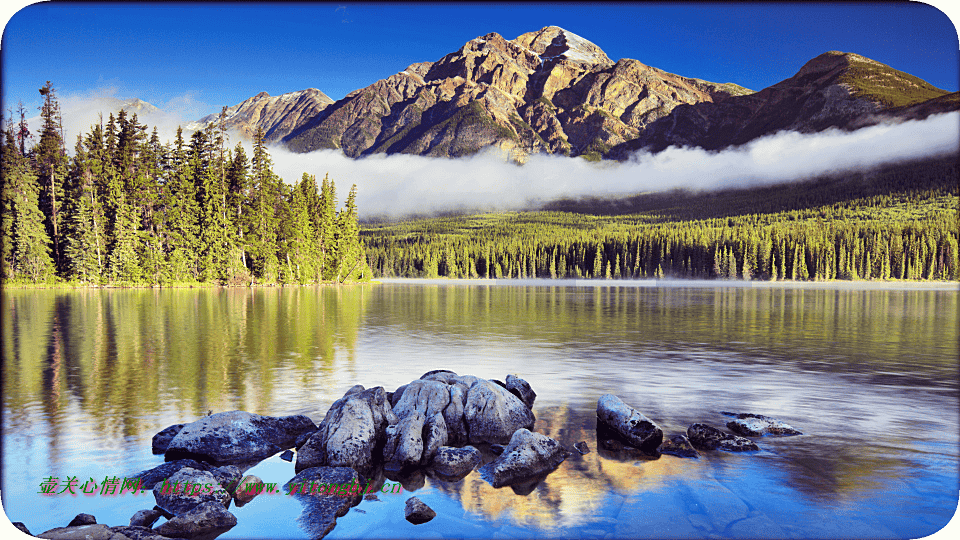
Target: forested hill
x=899, y=222
x=127, y=209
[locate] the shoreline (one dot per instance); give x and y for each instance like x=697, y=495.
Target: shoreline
x=953, y=286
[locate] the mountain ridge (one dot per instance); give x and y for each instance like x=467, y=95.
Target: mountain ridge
x=552, y=91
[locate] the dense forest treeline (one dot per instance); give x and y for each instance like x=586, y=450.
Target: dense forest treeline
x=895, y=223
x=126, y=209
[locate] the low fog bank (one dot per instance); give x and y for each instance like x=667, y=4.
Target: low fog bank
x=397, y=186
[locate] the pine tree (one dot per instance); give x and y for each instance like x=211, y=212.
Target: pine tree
x=23, y=222
x=51, y=164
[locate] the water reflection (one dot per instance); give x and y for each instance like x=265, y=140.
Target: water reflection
x=869, y=376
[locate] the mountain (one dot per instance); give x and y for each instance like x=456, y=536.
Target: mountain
x=835, y=89
x=277, y=115
x=545, y=91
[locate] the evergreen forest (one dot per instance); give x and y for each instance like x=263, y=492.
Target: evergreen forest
x=128, y=210
x=897, y=222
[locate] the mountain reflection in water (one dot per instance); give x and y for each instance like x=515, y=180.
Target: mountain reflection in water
x=869, y=376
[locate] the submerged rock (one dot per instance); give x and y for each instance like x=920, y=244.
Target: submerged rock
x=527, y=455
x=582, y=447
x=137, y=532
x=351, y=434
x=453, y=464
x=187, y=489
x=416, y=512
x=320, y=507
x=81, y=532
x=522, y=390
x=633, y=427
x=710, y=438
x=756, y=425
x=202, y=522
x=237, y=437
x=680, y=446
x=162, y=439
x=82, y=519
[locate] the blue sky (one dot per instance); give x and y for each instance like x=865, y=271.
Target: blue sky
x=199, y=57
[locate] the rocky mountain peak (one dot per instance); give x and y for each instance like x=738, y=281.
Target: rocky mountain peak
x=553, y=42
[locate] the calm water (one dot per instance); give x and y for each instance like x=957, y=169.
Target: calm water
x=869, y=376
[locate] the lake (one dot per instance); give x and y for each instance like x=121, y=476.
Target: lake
x=868, y=374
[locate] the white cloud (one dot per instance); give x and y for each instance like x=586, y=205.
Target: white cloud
x=401, y=185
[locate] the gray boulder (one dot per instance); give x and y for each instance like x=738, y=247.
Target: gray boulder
x=528, y=454
x=145, y=518
x=237, y=437
x=82, y=519
x=151, y=477
x=706, y=437
x=404, y=446
x=680, y=446
x=416, y=512
x=522, y=390
x=453, y=464
x=83, y=532
x=492, y=414
x=203, y=522
x=162, y=439
x=136, y=532
x=351, y=433
x=320, y=507
x=633, y=427
x=188, y=488
x=756, y=425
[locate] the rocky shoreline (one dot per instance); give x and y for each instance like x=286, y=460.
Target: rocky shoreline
x=434, y=426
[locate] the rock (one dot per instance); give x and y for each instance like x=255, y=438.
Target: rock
x=680, y=446
x=227, y=476
x=756, y=425
x=82, y=532
x=320, y=509
x=522, y=390
x=188, y=488
x=151, y=477
x=303, y=438
x=247, y=489
x=237, y=437
x=636, y=429
x=492, y=414
x=82, y=519
x=527, y=455
x=404, y=446
x=145, y=518
x=434, y=436
x=203, y=522
x=582, y=447
x=350, y=434
x=417, y=512
x=23, y=528
x=497, y=449
x=706, y=437
x=455, y=463
x=287, y=455
x=162, y=439
x=136, y=532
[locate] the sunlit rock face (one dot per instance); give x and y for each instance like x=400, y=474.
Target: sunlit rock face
x=548, y=91
x=352, y=432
